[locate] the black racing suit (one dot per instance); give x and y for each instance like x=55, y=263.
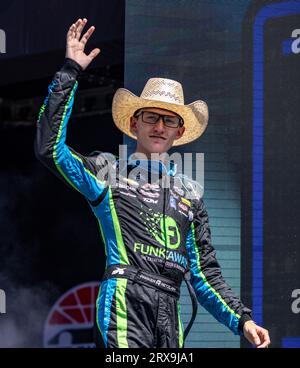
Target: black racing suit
x=149, y=230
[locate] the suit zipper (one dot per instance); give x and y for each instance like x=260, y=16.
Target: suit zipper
x=164, y=222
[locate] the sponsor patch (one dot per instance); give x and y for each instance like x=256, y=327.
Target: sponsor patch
x=149, y=194
x=150, y=200
x=174, y=194
x=179, y=191
x=186, y=201
x=173, y=203
x=183, y=206
x=125, y=186
x=128, y=194
x=154, y=187
x=119, y=271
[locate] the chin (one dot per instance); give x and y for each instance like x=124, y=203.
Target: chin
x=157, y=148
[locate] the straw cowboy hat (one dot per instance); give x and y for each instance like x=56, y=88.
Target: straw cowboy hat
x=164, y=94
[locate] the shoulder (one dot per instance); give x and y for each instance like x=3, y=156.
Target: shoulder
x=102, y=163
x=188, y=187
x=102, y=158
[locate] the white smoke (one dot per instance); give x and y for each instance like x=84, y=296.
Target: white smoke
x=26, y=312
x=26, y=306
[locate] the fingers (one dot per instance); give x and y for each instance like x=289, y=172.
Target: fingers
x=94, y=53
x=87, y=35
x=71, y=32
x=254, y=337
x=75, y=45
x=79, y=27
x=265, y=338
x=76, y=29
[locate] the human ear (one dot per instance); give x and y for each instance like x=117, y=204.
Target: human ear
x=180, y=132
x=133, y=125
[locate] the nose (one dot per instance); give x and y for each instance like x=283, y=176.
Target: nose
x=159, y=126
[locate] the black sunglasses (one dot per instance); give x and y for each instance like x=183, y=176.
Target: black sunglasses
x=150, y=117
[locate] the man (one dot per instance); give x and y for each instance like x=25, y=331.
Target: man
x=153, y=233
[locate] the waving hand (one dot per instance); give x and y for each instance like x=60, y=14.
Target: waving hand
x=76, y=44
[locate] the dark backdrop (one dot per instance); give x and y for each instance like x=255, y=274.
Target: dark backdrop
x=49, y=237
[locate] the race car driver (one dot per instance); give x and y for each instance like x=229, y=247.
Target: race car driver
x=154, y=226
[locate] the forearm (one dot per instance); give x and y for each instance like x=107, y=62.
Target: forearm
x=55, y=112
x=206, y=277
x=219, y=300
x=76, y=170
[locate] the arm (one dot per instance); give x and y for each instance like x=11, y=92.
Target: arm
x=76, y=170
x=213, y=293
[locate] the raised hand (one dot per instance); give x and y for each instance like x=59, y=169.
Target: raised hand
x=75, y=46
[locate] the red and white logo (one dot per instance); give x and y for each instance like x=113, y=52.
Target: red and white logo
x=183, y=206
x=70, y=322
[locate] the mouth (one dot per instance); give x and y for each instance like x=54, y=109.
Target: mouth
x=157, y=137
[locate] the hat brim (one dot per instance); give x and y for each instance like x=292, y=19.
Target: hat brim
x=194, y=115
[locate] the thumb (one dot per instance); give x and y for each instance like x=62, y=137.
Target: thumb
x=94, y=53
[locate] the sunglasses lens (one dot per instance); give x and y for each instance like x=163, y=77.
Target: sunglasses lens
x=171, y=121
x=152, y=118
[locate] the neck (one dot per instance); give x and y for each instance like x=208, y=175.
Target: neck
x=163, y=158
x=150, y=155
